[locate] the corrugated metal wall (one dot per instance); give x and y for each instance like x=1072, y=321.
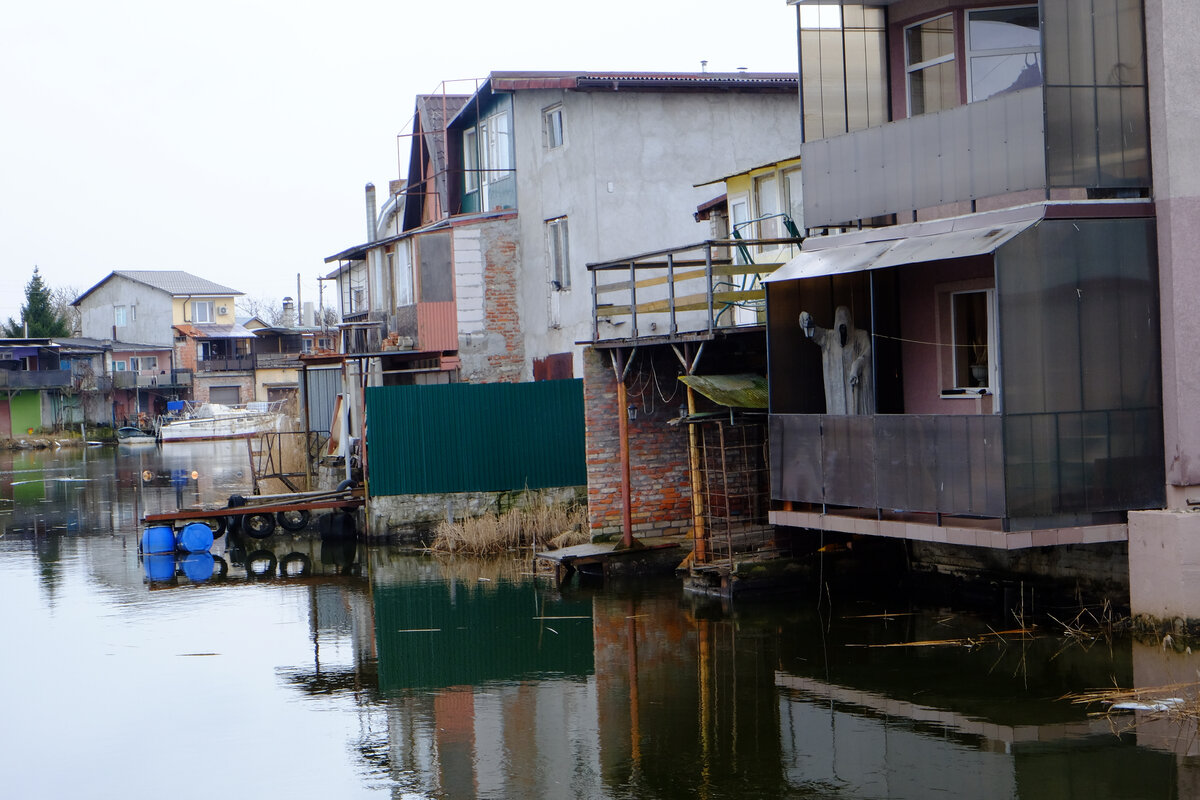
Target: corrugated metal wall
x=322, y=387
x=475, y=437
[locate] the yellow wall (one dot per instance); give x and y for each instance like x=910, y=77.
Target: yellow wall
x=275, y=376
x=178, y=315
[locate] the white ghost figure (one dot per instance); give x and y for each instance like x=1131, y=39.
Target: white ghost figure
x=846, y=360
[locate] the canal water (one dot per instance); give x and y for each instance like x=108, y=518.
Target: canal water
x=299, y=667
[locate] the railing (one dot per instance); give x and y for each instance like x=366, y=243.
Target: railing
x=693, y=289
x=150, y=380
x=235, y=364
x=984, y=149
x=1027, y=466
x=276, y=360
x=35, y=379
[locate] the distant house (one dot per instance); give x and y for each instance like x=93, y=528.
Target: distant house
x=187, y=340
x=42, y=383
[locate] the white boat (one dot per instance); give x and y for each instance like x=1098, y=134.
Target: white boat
x=217, y=421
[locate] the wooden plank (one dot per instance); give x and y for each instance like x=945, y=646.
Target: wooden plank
x=728, y=270
x=691, y=302
x=240, y=511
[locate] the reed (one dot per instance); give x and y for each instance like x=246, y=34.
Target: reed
x=534, y=524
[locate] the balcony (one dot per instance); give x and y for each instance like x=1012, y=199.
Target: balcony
x=689, y=292
x=151, y=380
x=35, y=379
x=984, y=149
x=244, y=363
x=1025, y=470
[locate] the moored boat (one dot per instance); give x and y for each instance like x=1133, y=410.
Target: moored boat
x=217, y=421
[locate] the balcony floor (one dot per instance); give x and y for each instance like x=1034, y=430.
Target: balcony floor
x=953, y=530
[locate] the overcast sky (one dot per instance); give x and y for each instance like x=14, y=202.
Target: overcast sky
x=233, y=139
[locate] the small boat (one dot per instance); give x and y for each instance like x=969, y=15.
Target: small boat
x=132, y=435
x=218, y=421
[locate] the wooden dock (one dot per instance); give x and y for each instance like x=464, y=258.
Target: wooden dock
x=263, y=506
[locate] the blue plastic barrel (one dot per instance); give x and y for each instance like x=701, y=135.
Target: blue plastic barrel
x=158, y=539
x=198, y=567
x=159, y=566
x=196, y=537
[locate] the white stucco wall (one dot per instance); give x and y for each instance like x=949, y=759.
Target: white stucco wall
x=625, y=181
x=153, y=320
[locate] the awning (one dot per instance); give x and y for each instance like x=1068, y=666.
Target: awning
x=908, y=244
x=214, y=331
x=736, y=391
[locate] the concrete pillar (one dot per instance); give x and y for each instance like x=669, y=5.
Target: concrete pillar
x=1164, y=546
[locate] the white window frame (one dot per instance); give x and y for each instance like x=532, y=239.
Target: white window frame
x=971, y=54
x=739, y=213
x=118, y=366
x=554, y=132
x=119, y=316
x=471, y=160
x=402, y=276
x=143, y=363
x=992, y=343
x=910, y=68
x=207, y=306
x=558, y=253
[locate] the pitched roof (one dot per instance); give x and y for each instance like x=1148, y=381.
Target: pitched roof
x=174, y=282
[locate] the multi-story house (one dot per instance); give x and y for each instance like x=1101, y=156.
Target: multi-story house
x=973, y=350
x=173, y=334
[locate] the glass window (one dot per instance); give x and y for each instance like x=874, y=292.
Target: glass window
x=932, y=75
x=119, y=366
x=403, y=275
x=843, y=69
x=766, y=201
x=1004, y=51
x=202, y=311
x=470, y=160
x=793, y=192
x=559, y=254
x=552, y=121
x=119, y=316
x=971, y=323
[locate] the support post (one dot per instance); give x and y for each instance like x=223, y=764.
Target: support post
x=623, y=435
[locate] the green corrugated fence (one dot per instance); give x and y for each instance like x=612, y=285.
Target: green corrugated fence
x=463, y=437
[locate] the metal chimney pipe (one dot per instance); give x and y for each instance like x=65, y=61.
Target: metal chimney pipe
x=372, y=214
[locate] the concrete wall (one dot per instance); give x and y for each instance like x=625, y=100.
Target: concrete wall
x=625, y=181
x=658, y=459
x=1164, y=546
x=486, y=276
x=204, y=382
x=153, y=322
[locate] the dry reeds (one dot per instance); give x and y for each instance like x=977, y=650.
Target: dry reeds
x=534, y=525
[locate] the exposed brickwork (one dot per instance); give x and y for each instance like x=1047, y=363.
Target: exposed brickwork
x=658, y=452
x=487, y=269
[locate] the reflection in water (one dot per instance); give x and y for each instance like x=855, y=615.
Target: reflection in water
x=298, y=666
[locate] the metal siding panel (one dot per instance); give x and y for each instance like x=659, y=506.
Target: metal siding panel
x=476, y=437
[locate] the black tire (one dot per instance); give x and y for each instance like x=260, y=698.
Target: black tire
x=294, y=519
x=295, y=558
x=259, y=526
x=218, y=525
x=346, y=484
x=220, y=568
x=258, y=557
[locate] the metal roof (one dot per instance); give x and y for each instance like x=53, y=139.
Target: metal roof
x=736, y=391
x=659, y=81
x=899, y=245
x=174, y=282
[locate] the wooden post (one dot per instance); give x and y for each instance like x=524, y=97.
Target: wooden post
x=699, y=534
x=623, y=435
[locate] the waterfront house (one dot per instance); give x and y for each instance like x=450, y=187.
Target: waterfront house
x=990, y=218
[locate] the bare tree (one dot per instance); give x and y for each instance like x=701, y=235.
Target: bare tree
x=268, y=310
x=61, y=298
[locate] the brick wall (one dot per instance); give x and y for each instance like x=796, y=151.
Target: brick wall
x=487, y=265
x=243, y=380
x=658, y=452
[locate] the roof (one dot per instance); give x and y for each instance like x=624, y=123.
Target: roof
x=652, y=81
x=213, y=331
x=174, y=282
x=770, y=164
x=736, y=391
x=894, y=246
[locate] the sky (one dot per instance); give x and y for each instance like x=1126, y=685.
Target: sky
x=233, y=140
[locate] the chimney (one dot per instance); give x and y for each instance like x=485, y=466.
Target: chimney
x=372, y=214
x=308, y=315
x=289, y=314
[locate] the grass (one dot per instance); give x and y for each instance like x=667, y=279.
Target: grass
x=536, y=525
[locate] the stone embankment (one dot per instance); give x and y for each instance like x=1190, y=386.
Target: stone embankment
x=40, y=443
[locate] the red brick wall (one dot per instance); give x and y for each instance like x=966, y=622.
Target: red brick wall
x=502, y=313
x=658, y=452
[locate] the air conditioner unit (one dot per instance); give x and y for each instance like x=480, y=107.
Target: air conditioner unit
x=222, y=310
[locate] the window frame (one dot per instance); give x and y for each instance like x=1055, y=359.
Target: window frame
x=209, y=307
x=558, y=261
x=970, y=54
x=553, y=122
x=911, y=68
x=120, y=319
x=952, y=384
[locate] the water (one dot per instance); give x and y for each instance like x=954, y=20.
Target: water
x=372, y=672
